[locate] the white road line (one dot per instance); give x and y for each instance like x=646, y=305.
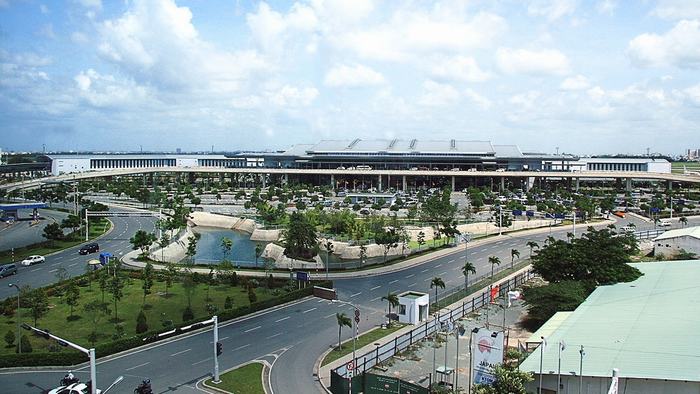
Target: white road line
x=451, y=261
x=184, y=351
x=410, y=276
x=54, y=270
x=252, y=329
x=71, y=265
x=425, y=270
x=413, y=284
x=427, y=279
x=35, y=269
x=331, y=315
x=282, y=319
x=272, y=336
x=321, y=300
x=457, y=268
x=375, y=299
x=374, y=288
x=138, y=366
x=223, y=339
x=241, y=347
x=394, y=281
x=356, y=294
x=202, y=361
x=443, y=273
x=309, y=310
x=374, y=313
x=439, y=265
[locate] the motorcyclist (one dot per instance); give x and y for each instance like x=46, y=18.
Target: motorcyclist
x=144, y=387
x=69, y=379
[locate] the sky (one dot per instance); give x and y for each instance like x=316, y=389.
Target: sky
x=580, y=76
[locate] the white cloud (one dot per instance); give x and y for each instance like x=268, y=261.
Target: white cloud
x=552, y=9
x=44, y=9
x=28, y=59
x=677, y=9
x=353, y=76
x=606, y=7
x=480, y=101
x=47, y=31
x=155, y=42
x=532, y=62
x=290, y=96
x=578, y=82
x=96, y=4
x=678, y=47
x=458, y=68
x=693, y=94
x=271, y=29
x=438, y=94
x=78, y=37
x=106, y=91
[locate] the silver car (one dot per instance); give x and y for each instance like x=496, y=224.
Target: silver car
x=35, y=259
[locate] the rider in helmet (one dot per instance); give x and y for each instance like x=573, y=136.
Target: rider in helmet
x=69, y=376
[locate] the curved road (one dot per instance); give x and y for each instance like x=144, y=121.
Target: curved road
x=293, y=335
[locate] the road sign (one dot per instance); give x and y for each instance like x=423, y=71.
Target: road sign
x=302, y=276
x=350, y=365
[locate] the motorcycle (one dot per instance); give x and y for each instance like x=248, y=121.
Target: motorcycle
x=144, y=388
x=67, y=381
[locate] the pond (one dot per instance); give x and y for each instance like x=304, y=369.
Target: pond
x=209, y=249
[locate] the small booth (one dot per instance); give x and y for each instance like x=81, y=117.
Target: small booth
x=413, y=307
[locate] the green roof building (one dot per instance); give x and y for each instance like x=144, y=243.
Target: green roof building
x=649, y=329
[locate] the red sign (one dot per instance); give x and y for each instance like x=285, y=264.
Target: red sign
x=494, y=292
x=350, y=365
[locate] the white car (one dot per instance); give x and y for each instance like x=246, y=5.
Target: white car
x=31, y=260
x=75, y=388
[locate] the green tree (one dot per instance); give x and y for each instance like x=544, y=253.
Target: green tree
x=10, y=338
x=437, y=208
x=163, y=242
x=508, y=381
x=300, y=239
x=226, y=245
x=494, y=261
x=343, y=320
x=363, y=253
x=52, y=232
x=116, y=287
x=195, y=201
x=392, y=300
x=169, y=275
x=467, y=268
x=142, y=240
x=252, y=297
x=683, y=220
x=192, y=247
x=147, y=278
x=141, y=323
x=258, y=252
x=95, y=310
x=531, y=245
x=103, y=281
x=436, y=283
x=544, y=301
x=26, y=344
x=514, y=254
x=189, y=286
x=72, y=222
x=39, y=304
x=387, y=238
x=228, y=303
x=421, y=239
x=72, y=296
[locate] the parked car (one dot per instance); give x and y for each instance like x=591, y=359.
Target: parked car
x=7, y=270
x=665, y=223
x=89, y=248
x=35, y=259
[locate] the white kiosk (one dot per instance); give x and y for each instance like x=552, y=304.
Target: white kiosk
x=413, y=307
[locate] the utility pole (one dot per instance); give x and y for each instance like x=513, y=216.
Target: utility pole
x=542, y=345
x=19, y=317
x=500, y=220
x=574, y=222
x=217, y=349
x=580, y=371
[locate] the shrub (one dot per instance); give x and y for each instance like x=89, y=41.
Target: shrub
x=26, y=345
x=228, y=304
x=252, y=297
x=10, y=338
x=187, y=314
x=141, y=324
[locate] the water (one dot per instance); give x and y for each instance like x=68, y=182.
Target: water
x=242, y=253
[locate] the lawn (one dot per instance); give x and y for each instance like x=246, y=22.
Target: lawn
x=689, y=165
x=47, y=247
x=244, y=380
x=363, y=340
x=158, y=309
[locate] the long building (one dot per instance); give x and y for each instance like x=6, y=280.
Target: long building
x=396, y=154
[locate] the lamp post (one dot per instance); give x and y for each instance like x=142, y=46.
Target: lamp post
x=471, y=358
x=355, y=320
x=19, y=319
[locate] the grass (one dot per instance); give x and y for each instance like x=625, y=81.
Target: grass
x=47, y=247
x=243, y=380
x=363, y=340
x=689, y=165
x=452, y=298
x=158, y=309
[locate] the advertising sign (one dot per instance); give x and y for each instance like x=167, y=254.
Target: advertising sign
x=488, y=353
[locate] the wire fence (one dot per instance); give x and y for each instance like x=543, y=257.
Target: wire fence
x=366, y=361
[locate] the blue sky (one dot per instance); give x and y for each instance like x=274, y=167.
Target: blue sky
x=585, y=76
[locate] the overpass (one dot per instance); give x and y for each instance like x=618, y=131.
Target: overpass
x=400, y=176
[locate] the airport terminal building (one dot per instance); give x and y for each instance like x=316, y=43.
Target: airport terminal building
x=396, y=154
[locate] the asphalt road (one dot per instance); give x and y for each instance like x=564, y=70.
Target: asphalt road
x=23, y=232
x=116, y=242
x=291, y=336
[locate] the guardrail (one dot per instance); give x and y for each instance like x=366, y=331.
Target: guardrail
x=648, y=234
x=382, y=353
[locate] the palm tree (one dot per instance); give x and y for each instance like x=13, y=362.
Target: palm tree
x=531, y=245
x=343, y=320
x=494, y=261
x=683, y=220
x=226, y=245
x=514, y=253
x=437, y=282
x=393, y=300
x=467, y=268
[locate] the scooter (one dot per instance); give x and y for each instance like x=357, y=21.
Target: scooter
x=144, y=388
x=66, y=381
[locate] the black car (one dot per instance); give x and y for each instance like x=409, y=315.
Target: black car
x=89, y=248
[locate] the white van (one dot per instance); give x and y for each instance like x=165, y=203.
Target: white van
x=665, y=223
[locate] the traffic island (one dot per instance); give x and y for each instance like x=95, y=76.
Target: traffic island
x=244, y=379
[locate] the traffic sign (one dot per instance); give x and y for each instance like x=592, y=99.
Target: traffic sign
x=350, y=365
x=357, y=313
x=357, y=319
x=302, y=276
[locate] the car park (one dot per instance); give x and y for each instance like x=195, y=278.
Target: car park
x=89, y=248
x=7, y=270
x=35, y=259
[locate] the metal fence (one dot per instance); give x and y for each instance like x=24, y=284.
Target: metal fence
x=382, y=353
x=648, y=234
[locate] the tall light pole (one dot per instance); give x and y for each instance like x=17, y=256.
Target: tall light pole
x=471, y=358
x=19, y=319
x=580, y=371
x=355, y=320
x=215, y=319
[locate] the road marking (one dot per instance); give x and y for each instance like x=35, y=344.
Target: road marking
x=439, y=265
x=71, y=265
x=443, y=273
x=321, y=300
x=326, y=317
x=309, y=310
x=425, y=270
x=54, y=270
x=252, y=329
x=223, y=339
x=184, y=351
x=374, y=288
x=356, y=294
x=375, y=312
x=35, y=269
x=427, y=279
x=394, y=281
x=272, y=336
x=375, y=298
x=457, y=268
x=413, y=284
x=282, y=319
x=241, y=347
x=410, y=276
x=138, y=366
x=199, y=362
x=451, y=261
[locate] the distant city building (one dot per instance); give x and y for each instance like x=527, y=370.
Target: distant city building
x=644, y=328
x=645, y=164
x=693, y=154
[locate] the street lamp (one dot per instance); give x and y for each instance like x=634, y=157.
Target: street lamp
x=355, y=320
x=19, y=318
x=471, y=358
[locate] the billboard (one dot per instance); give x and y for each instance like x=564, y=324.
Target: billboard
x=487, y=353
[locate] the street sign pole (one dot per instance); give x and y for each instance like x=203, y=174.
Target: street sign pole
x=216, y=356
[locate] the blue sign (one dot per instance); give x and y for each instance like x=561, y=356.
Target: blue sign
x=530, y=213
x=104, y=257
x=302, y=276
x=517, y=212
x=655, y=210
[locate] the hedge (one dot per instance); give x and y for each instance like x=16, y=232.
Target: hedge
x=69, y=357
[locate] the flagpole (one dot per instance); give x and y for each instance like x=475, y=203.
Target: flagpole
x=580, y=371
x=559, y=370
x=541, y=356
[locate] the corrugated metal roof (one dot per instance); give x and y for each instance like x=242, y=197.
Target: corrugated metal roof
x=681, y=232
x=549, y=327
x=621, y=160
x=398, y=146
x=647, y=328
x=507, y=151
